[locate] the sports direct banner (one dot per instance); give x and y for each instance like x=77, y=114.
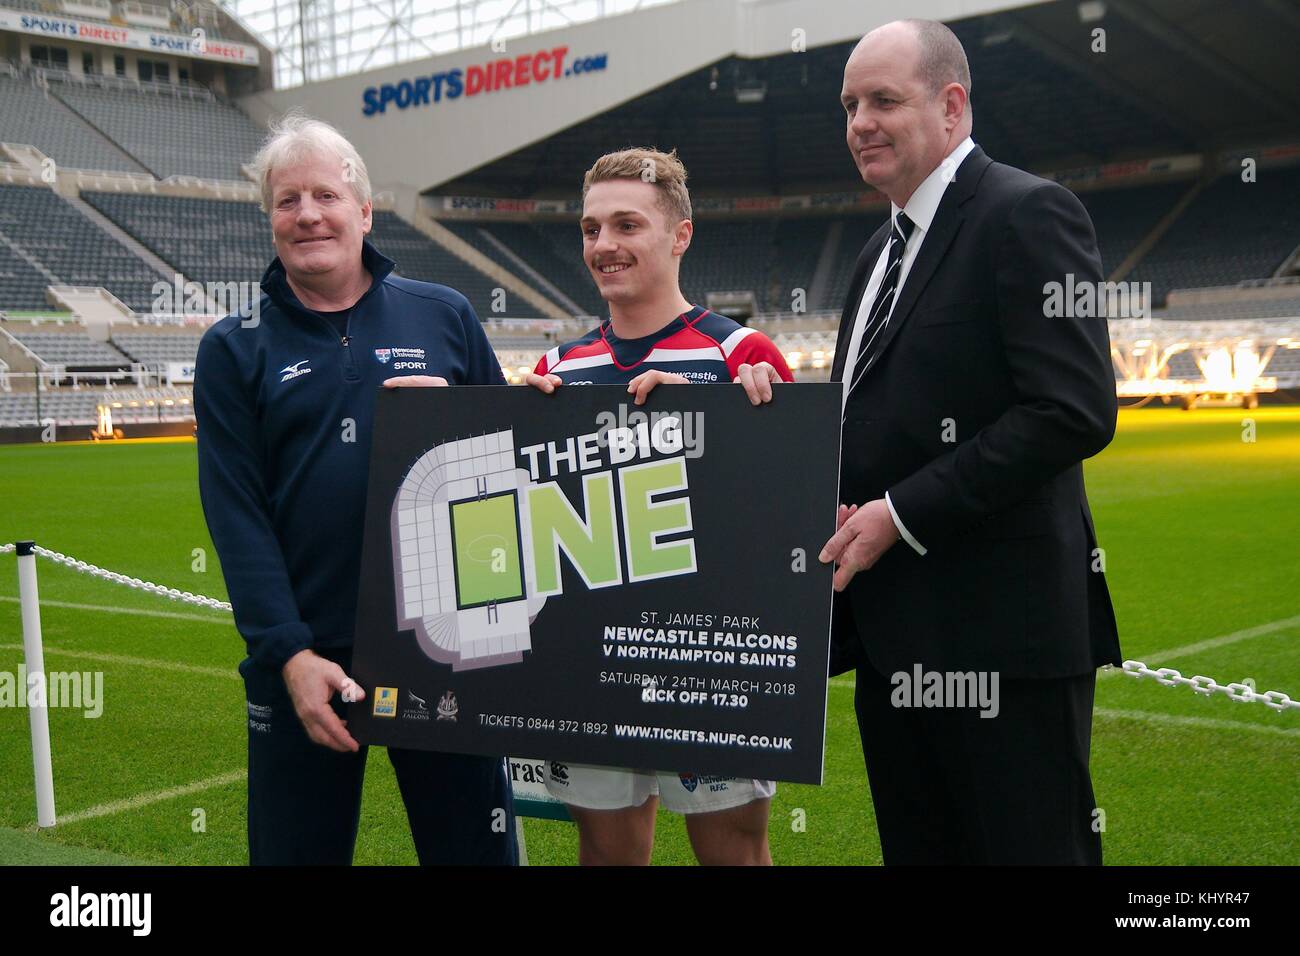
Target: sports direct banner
x=574, y=577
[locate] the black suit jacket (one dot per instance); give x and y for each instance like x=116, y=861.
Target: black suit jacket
x=976, y=417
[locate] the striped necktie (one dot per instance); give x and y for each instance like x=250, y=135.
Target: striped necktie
x=884, y=299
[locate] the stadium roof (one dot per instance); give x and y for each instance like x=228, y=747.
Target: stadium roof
x=1175, y=76
x=320, y=39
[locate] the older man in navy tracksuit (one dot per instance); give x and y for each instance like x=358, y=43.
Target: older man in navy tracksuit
x=284, y=397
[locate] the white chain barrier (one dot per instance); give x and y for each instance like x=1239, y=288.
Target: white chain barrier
x=1241, y=693
x=148, y=587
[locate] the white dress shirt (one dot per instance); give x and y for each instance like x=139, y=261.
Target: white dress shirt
x=920, y=209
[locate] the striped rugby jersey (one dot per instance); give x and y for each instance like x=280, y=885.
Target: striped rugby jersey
x=701, y=345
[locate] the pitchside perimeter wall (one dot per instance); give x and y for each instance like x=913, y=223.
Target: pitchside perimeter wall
x=422, y=123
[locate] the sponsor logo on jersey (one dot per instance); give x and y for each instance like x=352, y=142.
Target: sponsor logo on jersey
x=560, y=773
x=294, y=370
x=385, y=702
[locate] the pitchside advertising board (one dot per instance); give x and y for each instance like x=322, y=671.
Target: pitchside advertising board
x=573, y=577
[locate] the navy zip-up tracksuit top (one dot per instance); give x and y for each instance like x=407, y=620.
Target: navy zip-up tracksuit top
x=283, y=488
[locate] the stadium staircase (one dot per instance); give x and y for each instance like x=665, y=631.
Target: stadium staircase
x=458, y=247
x=95, y=307
x=821, y=278
x=1158, y=231
x=538, y=280
x=122, y=236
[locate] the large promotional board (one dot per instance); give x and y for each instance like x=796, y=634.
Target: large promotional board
x=575, y=577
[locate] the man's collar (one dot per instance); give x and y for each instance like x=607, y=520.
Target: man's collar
x=925, y=200
x=275, y=282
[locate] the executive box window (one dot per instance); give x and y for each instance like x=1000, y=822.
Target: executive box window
x=119, y=65
x=154, y=71
x=88, y=64
x=50, y=57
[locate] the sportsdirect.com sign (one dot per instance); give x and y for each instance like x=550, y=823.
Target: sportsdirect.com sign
x=68, y=28
x=507, y=72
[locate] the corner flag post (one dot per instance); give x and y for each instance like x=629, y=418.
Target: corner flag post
x=34, y=657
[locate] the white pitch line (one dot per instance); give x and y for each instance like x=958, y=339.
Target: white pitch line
x=142, y=612
x=157, y=796
x=229, y=672
x=1258, y=631
x=1208, y=723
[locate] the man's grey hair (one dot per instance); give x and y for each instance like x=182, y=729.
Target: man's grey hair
x=942, y=59
x=294, y=138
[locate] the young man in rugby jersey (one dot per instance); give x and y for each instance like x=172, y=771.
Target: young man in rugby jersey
x=636, y=225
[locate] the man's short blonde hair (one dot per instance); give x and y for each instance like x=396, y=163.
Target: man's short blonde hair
x=664, y=171
x=296, y=137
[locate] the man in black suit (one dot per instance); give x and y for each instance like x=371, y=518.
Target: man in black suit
x=966, y=556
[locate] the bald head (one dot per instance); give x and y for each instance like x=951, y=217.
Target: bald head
x=906, y=92
x=938, y=55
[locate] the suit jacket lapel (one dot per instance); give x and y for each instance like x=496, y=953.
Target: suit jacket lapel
x=947, y=220
x=861, y=273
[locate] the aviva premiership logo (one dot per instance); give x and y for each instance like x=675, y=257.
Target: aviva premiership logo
x=385, y=702
x=477, y=540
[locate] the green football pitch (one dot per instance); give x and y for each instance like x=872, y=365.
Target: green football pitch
x=1201, y=532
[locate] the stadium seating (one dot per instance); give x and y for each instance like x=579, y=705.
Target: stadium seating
x=67, y=406
x=419, y=257
x=729, y=256
x=1232, y=231
x=71, y=348
x=156, y=348
x=171, y=131
x=1124, y=217
x=1253, y=308
x=22, y=286
x=71, y=247
x=208, y=240
x=856, y=231
x=28, y=114
x=553, y=249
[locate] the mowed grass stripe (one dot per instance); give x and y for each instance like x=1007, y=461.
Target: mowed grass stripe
x=217, y=617
x=132, y=661
x=157, y=796
x=1209, y=723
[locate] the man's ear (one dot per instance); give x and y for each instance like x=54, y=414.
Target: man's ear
x=955, y=105
x=367, y=218
x=682, y=236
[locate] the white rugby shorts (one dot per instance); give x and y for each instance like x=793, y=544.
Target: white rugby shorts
x=611, y=788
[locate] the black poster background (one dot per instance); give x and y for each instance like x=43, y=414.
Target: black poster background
x=764, y=486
